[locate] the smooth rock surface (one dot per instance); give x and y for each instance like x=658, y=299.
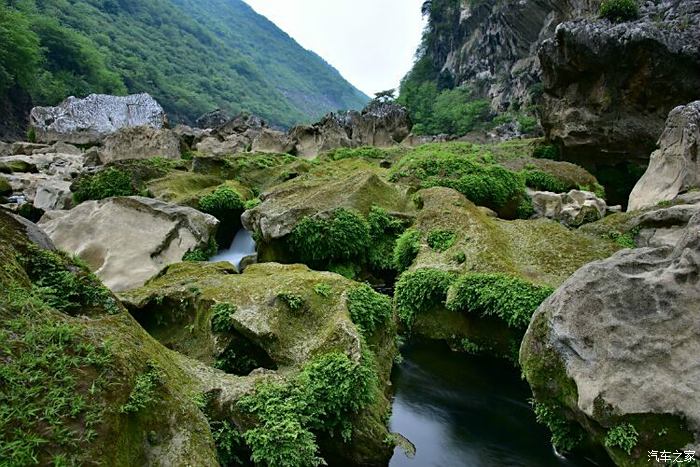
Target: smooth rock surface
x=89, y=120
x=126, y=241
x=143, y=142
x=675, y=167
x=573, y=209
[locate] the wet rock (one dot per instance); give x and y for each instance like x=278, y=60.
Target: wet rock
x=125, y=241
x=89, y=120
x=675, y=167
x=143, y=142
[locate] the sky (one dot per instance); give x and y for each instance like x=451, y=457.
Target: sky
x=372, y=43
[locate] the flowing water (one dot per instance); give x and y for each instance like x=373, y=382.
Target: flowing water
x=243, y=245
x=460, y=410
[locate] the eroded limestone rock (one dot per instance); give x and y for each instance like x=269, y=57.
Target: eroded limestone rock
x=573, y=209
x=143, y=142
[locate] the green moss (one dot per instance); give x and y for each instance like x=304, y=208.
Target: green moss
x=441, y=240
x=342, y=237
x=465, y=168
x=619, y=11
x=322, y=398
x=221, y=317
x=420, y=291
x=252, y=203
x=406, y=249
x=365, y=152
x=546, y=151
x=543, y=181
x=369, y=310
x=144, y=390
x=323, y=289
x=509, y=298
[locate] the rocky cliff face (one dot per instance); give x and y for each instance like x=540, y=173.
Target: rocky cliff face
x=609, y=87
x=491, y=45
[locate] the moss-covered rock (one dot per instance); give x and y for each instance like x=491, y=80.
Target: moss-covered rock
x=116, y=396
x=612, y=352
x=282, y=318
x=5, y=188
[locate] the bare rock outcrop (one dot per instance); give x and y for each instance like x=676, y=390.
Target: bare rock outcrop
x=142, y=142
x=675, y=167
x=126, y=241
x=89, y=120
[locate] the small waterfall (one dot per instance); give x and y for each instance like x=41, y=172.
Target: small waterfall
x=243, y=245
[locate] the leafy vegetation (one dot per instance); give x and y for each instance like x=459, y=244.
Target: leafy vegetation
x=419, y=291
x=221, y=317
x=104, y=184
x=441, y=240
x=328, y=391
x=566, y=434
x=342, y=237
x=623, y=436
x=192, y=57
x=546, y=151
x=619, y=11
x=144, y=391
x=202, y=254
x=365, y=152
x=543, y=181
x=222, y=203
x=406, y=249
x=384, y=231
x=368, y=309
x=323, y=289
x=293, y=301
x=509, y=298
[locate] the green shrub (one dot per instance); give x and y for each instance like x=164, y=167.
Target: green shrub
x=509, y=298
x=323, y=289
x=406, y=249
x=104, y=184
x=223, y=203
x=293, y=301
x=566, y=435
x=202, y=254
x=525, y=209
x=543, y=181
x=143, y=392
x=322, y=398
x=623, y=436
x=527, y=123
x=252, y=204
x=368, y=309
x=619, y=11
x=419, y=291
x=341, y=237
x=441, y=240
x=221, y=317
x=31, y=135
x=547, y=151
x=384, y=230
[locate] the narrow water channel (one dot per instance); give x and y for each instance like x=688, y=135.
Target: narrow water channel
x=461, y=410
x=243, y=245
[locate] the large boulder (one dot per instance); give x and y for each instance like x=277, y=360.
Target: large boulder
x=212, y=119
x=381, y=124
x=610, y=86
x=52, y=195
x=89, y=120
x=330, y=133
x=142, y=142
x=128, y=240
x=273, y=141
x=615, y=351
x=675, y=167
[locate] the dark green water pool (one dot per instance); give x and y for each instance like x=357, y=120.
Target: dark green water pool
x=460, y=410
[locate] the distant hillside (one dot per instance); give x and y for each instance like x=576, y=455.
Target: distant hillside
x=192, y=55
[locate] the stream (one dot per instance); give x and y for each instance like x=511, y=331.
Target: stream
x=461, y=410
x=243, y=245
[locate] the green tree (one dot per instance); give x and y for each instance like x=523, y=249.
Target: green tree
x=19, y=49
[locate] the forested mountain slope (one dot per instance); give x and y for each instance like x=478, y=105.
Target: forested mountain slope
x=192, y=55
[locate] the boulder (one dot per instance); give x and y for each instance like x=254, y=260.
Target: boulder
x=381, y=124
x=330, y=133
x=52, y=195
x=607, y=84
x=573, y=209
x=5, y=149
x=26, y=149
x=675, y=167
x=142, y=142
x=212, y=119
x=215, y=146
x=617, y=345
x=126, y=241
x=273, y=141
x=89, y=120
